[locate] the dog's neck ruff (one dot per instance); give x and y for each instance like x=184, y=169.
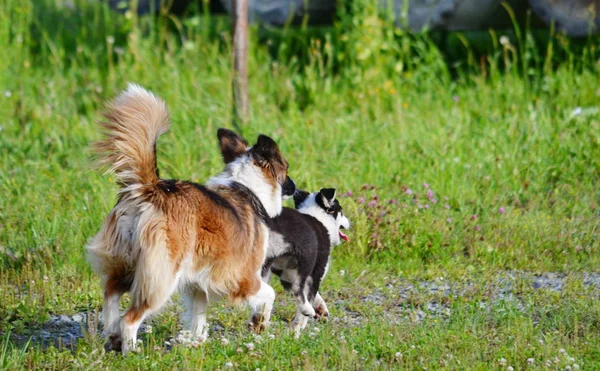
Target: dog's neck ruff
x=244, y=172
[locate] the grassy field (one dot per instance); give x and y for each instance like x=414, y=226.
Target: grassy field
x=460, y=173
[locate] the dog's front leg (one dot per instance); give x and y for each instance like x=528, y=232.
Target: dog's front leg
x=321, y=310
x=261, y=305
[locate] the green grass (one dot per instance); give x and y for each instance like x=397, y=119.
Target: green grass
x=517, y=128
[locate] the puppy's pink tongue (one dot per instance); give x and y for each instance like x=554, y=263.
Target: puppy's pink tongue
x=343, y=236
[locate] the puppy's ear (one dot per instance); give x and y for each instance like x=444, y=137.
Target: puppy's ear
x=327, y=196
x=299, y=197
x=265, y=146
x=232, y=145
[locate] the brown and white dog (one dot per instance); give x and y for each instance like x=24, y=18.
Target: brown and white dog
x=163, y=235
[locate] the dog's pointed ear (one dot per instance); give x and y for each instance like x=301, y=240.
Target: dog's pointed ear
x=232, y=145
x=299, y=197
x=327, y=196
x=265, y=146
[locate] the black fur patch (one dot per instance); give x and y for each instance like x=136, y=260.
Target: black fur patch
x=216, y=198
x=168, y=185
x=299, y=197
x=289, y=187
x=333, y=208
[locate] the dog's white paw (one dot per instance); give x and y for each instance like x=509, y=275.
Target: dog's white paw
x=307, y=310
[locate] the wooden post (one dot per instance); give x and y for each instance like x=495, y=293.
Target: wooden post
x=240, y=63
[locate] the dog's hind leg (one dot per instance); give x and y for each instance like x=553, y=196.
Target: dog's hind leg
x=261, y=305
x=140, y=309
x=195, y=302
x=304, y=308
x=302, y=302
x=156, y=278
x=114, y=287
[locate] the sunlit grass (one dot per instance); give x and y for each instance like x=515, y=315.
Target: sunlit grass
x=449, y=171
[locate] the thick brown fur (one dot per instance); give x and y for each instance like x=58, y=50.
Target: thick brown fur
x=167, y=234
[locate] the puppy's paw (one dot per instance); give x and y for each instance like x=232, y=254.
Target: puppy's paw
x=307, y=310
x=322, y=313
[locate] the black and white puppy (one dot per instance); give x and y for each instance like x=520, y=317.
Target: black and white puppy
x=300, y=242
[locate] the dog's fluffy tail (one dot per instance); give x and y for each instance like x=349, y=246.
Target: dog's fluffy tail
x=133, y=122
